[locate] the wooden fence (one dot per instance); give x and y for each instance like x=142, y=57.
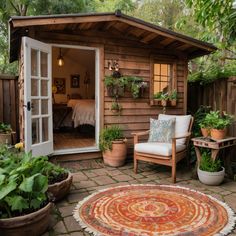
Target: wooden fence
x=220, y=95
x=9, y=112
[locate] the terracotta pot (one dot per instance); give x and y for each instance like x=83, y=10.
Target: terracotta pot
x=60, y=189
x=205, y=132
x=35, y=223
x=116, y=157
x=5, y=138
x=173, y=102
x=164, y=103
x=218, y=133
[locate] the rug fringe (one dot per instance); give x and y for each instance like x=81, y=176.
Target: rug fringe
x=225, y=231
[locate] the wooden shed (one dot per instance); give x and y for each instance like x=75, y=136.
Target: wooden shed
x=63, y=60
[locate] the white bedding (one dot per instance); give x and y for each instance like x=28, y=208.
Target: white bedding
x=83, y=111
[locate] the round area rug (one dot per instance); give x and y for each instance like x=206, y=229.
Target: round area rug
x=153, y=210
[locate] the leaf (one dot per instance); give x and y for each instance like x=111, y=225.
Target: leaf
x=35, y=203
x=2, y=178
x=28, y=183
x=7, y=188
x=41, y=183
x=17, y=203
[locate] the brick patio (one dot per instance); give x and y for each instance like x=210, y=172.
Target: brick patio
x=92, y=175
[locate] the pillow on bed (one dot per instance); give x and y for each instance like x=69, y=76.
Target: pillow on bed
x=161, y=130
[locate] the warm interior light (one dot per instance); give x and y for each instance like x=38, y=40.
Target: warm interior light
x=60, y=60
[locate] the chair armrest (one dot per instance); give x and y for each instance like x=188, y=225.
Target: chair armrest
x=183, y=136
x=141, y=133
x=136, y=135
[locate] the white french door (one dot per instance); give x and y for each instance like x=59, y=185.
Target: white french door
x=37, y=97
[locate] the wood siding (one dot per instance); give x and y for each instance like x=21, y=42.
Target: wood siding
x=134, y=59
x=9, y=105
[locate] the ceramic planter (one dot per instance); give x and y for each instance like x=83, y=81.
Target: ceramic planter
x=173, y=102
x=34, y=224
x=61, y=189
x=211, y=178
x=116, y=157
x=218, y=133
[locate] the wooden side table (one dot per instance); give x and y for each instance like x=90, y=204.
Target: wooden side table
x=215, y=146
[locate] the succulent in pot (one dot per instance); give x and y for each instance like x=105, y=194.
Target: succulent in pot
x=113, y=146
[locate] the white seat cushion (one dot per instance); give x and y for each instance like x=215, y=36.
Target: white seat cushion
x=181, y=125
x=163, y=149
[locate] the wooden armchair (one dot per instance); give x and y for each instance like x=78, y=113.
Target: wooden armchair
x=165, y=153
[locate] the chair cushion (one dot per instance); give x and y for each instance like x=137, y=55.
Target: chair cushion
x=182, y=123
x=163, y=149
x=161, y=130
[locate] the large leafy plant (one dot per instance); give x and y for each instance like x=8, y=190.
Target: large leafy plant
x=108, y=135
x=23, y=186
x=209, y=165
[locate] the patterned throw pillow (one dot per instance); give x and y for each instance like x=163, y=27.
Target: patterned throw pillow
x=161, y=130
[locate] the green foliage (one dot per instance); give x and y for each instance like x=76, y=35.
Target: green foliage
x=217, y=121
x=173, y=95
x=157, y=95
x=5, y=128
x=116, y=106
x=209, y=165
x=108, y=135
x=24, y=182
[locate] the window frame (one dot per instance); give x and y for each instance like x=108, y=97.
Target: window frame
x=155, y=60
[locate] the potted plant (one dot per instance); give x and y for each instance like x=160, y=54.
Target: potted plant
x=116, y=107
x=218, y=123
x=205, y=128
x=137, y=87
x=173, y=98
x=115, y=86
x=164, y=99
x=210, y=172
x=24, y=205
x=113, y=146
x=5, y=134
x=59, y=180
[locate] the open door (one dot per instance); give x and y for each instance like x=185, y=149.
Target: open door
x=37, y=97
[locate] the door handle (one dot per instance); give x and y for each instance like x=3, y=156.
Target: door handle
x=28, y=106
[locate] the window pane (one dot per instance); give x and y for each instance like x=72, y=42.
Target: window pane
x=157, y=69
x=44, y=64
x=35, y=131
x=34, y=62
x=44, y=106
x=164, y=69
x=44, y=87
x=34, y=87
x=157, y=87
x=35, y=107
x=45, y=129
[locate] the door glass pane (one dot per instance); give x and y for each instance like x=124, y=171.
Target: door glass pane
x=44, y=87
x=45, y=129
x=35, y=107
x=44, y=64
x=34, y=87
x=35, y=131
x=34, y=62
x=44, y=106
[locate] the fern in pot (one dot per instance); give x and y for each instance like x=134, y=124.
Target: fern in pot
x=210, y=172
x=113, y=146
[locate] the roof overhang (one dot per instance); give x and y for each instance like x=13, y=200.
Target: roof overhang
x=144, y=32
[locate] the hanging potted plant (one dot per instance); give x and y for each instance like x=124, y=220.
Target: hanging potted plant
x=113, y=146
x=137, y=87
x=116, y=107
x=218, y=124
x=210, y=172
x=173, y=98
x=24, y=205
x=5, y=134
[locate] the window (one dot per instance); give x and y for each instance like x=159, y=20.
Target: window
x=163, y=78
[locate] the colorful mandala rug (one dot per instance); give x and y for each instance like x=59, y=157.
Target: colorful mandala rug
x=153, y=210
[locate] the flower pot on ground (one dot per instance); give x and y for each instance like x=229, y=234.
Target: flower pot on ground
x=5, y=134
x=24, y=205
x=113, y=146
x=210, y=172
x=220, y=122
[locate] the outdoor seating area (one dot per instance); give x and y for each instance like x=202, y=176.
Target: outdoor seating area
x=91, y=175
